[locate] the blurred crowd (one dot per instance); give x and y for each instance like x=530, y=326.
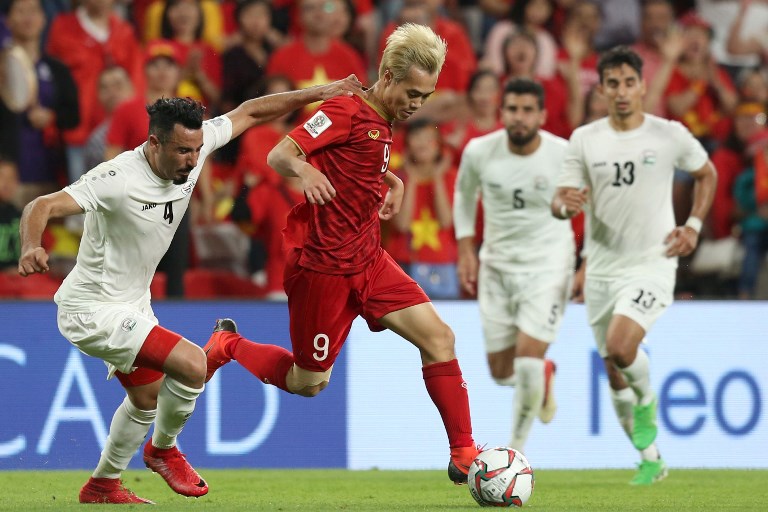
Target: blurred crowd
x=97, y=63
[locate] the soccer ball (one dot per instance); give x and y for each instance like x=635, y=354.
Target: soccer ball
x=500, y=477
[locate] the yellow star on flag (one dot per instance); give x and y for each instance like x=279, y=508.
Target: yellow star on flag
x=424, y=231
x=319, y=77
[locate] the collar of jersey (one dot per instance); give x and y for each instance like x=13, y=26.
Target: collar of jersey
x=378, y=111
x=148, y=168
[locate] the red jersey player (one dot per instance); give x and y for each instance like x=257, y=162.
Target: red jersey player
x=336, y=269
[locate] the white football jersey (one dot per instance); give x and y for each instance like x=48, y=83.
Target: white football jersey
x=629, y=175
x=131, y=217
x=520, y=234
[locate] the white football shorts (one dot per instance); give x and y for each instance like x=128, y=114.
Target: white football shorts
x=641, y=298
x=113, y=333
x=530, y=302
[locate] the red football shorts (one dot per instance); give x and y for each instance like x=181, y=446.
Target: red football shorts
x=151, y=358
x=322, y=307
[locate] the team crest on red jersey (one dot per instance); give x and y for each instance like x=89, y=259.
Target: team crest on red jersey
x=374, y=134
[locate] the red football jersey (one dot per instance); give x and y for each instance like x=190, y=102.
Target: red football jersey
x=350, y=142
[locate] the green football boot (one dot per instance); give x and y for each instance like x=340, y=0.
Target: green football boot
x=649, y=472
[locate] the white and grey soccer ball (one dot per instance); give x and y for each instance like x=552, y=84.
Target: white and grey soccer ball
x=500, y=477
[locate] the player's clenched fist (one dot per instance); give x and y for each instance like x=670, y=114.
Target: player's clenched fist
x=34, y=260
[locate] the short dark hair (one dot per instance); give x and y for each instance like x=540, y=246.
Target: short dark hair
x=165, y=113
x=526, y=86
x=616, y=57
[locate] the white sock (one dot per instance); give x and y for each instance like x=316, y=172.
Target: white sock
x=651, y=453
x=127, y=431
x=528, y=397
x=624, y=401
x=638, y=377
x=175, y=403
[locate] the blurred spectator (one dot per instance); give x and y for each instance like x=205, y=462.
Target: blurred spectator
x=130, y=121
x=459, y=65
x=595, y=106
x=482, y=112
x=115, y=87
x=751, y=195
x=33, y=135
x=88, y=40
x=752, y=84
x=182, y=23
x=619, y=23
x=316, y=57
x=730, y=159
x=150, y=20
x=563, y=98
x=426, y=216
x=660, y=46
x=251, y=164
x=753, y=45
x=345, y=27
x=700, y=94
x=577, y=59
x=245, y=63
x=534, y=16
x=496, y=8
x=10, y=243
x=723, y=14
x=268, y=196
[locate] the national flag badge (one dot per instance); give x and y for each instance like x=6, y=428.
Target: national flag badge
x=374, y=134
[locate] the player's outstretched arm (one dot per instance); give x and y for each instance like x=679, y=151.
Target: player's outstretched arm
x=266, y=108
x=34, y=218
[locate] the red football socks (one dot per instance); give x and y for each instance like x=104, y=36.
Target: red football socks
x=448, y=391
x=269, y=363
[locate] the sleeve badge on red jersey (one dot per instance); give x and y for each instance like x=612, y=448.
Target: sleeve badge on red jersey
x=317, y=124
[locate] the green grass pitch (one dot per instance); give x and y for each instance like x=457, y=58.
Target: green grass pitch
x=353, y=491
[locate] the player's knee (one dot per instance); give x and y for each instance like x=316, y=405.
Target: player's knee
x=440, y=346
x=620, y=354
x=193, y=368
x=311, y=391
x=305, y=382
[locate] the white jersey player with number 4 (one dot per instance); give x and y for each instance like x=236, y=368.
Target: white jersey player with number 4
x=527, y=256
x=133, y=205
x=131, y=217
x=621, y=169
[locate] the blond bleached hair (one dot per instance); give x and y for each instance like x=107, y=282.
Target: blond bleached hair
x=413, y=45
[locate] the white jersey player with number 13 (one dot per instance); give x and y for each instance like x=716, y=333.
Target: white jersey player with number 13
x=621, y=169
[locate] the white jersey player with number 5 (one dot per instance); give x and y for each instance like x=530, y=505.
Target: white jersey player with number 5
x=133, y=204
x=621, y=168
x=527, y=256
